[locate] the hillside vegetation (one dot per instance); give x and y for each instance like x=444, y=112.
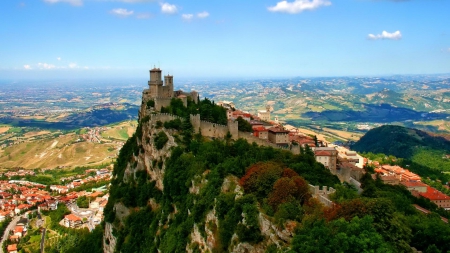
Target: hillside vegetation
x=224, y=195
x=414, y=145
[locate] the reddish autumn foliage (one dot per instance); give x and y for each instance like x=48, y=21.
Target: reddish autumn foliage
x=289, y=173
x=283, y=191
x=260, y=177
x=287, y=189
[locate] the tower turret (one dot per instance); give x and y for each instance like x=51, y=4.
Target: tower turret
x=155, y=81
x=168, y=81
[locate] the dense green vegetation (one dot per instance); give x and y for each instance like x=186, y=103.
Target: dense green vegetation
x=274, y=183
x=206, y=108
x=407, y=143
x=73, y=240
x=409, y=148
x=83, y=202
x=215, y=160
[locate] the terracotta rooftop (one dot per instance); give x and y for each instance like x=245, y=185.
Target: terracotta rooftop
x=278, y=130
x=413, y=184
x=72, y=217
x=433, y=194
x=12, y=247
x=323, y=153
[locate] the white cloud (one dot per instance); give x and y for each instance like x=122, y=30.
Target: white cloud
x=58, y=58
x=143, y=15
x=26, y=66
x=73, y=65
x=168, y=8
x=45, y=66
x=71, y=2
x=121, y=12
x=133, y=1
x=204, y=14
x=187, y=16
x=397, y=35
x=298, y=6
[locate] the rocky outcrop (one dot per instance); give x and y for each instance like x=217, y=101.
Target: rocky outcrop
x=109, y=240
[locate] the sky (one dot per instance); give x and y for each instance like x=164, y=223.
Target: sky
x=45, y=39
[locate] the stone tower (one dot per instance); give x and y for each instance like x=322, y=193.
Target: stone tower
x=155, y=81
x=168, y=81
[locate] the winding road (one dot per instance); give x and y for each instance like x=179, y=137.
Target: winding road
x=11, y=226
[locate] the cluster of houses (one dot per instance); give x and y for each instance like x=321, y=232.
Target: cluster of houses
x=18, y=172
x=93, y=134
x=342, y=162
x=20, y=230
x=397, y=175
x=90, y=217
x=100, y=175
x=17, y=197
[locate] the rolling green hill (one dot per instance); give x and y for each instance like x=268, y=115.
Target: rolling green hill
x=412, y=144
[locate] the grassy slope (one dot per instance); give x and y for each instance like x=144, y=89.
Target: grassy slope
x=65, y=151
x=407, y=143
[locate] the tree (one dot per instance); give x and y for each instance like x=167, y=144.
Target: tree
x=244, y=125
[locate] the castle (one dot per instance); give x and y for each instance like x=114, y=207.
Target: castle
x=161, y=93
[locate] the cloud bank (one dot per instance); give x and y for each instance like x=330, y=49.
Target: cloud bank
x=71, y=2
x=204, y=14
x=187, y=17
x=298, y=6
x=121, y=12
x=397, y=35
x=168, y=8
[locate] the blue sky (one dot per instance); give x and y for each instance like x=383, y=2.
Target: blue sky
x=222, y=39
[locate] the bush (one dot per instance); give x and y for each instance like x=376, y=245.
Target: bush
x=160, y=140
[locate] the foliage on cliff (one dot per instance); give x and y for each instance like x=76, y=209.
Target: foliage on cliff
x=206, y=108
x=167, y=227
x=275, y=184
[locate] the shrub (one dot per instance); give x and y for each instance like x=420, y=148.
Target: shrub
x=160, y=140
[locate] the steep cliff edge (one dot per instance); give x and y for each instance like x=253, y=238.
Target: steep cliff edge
x=176, y=190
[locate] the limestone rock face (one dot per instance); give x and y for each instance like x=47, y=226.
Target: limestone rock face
x=109, y=241
x=203, y=236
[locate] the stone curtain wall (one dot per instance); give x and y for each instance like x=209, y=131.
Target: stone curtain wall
x=214, y=130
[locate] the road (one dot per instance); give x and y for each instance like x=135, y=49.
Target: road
x=11, y=226
x=43, y=240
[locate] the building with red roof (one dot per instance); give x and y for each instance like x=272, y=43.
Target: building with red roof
x=260, y=132
x=12, y=248
x=72, y=221
x=437, y=197
x=278, y=135
x=326, y=156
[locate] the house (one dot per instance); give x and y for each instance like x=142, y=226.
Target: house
x=415, y=186
x=278, y=135
x=401, y=173
x=437, y=197
x=260, y=132
x=72, y=221
x=326, y=156
x=12, y=248
x=392, y=180
x=19, y=231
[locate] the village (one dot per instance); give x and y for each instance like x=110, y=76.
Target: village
x=22, y=204
x=346, y=164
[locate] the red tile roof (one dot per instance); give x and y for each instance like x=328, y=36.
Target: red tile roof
x=433, y=194
x=72, y=217
x=323, y=153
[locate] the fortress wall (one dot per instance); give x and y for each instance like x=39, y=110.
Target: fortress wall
x=161, y=102
x=213, y=130
x=164, y=117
